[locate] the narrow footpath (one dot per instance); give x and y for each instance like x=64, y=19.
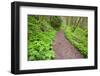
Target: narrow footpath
x=64, y=49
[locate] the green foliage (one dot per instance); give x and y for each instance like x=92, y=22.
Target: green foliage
x=42, y=30
x=40, y=38
x=78, y=38
x=55, y=22
x=39, y=50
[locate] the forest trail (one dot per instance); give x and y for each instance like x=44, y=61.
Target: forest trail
x=64, y=49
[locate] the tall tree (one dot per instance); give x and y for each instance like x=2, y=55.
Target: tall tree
x=77, y=23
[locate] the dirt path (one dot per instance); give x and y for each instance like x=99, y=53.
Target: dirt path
x=64, y=49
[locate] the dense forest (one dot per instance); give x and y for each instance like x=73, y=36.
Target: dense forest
x=42, y=31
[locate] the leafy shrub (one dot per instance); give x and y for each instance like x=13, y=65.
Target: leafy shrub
x=40, y=38
x=39, y=50
x=78, y=38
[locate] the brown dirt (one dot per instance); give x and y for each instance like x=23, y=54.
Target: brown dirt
x=64, y=49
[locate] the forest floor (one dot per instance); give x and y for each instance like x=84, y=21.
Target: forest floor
x=64, y=49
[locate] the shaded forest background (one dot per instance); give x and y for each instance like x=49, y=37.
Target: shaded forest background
x=42, y=31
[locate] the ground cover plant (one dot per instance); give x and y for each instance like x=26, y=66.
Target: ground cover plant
x=40, y=37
